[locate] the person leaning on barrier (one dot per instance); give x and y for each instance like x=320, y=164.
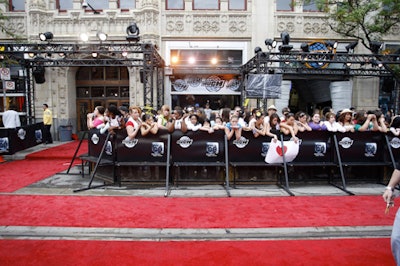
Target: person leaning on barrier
x=207, y=126
x=331, y=123
x=165, y=120
x=380, y=118
x=178, y=119
x=134, y=123
x=113, y=119
x=257, y=125
x=388, y=197
x=272, y=127
x=96, y=119
x=148, y=125
x=316, y=123
x=365, y=121
x=345, y=119
x=394, y=126
x=302, y=121
x=193, y=123
x=233, y=128
x=289, y=127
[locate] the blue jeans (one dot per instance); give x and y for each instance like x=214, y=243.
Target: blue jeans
x=395, y=238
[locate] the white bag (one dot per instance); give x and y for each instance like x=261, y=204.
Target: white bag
x=275, y=151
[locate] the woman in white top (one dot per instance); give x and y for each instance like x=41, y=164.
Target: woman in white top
x=331, y=123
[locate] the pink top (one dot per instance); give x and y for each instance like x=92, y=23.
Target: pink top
x=97, y=122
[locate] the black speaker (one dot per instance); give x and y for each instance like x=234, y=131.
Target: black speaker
x=141, y=73
x=38, y=74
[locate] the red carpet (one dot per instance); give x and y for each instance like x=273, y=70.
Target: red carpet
x=144, y=212
x=38, y=166
x=352, y=252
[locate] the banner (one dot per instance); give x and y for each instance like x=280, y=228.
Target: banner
x=198, y=84
x=275, y=151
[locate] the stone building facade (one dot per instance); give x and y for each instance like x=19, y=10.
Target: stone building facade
x=230, y=27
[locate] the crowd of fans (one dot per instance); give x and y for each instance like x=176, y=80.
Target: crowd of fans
x=234, y=121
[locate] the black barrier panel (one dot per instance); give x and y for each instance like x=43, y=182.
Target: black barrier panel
x=361, y=147
x=248, y=148
x=394, y=145
x=96, y=142
x=315, y=146
x=149, y=148
x=198, y=146
x=13, y=140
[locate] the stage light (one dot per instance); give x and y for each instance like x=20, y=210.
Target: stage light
x=376, y=63
x=331, y=44
x=124, y=53
x=375, y=46
x=214, y=61
x=46, y=36
x=95, y=54
x=305, y=47
x=192, y=60
x=271, y=44
x=101, y=36
x=133, y=32
x=84, y=37
x=86, y=5
x=350, y=47
x=174, y=59
x=285, y=47
x=257, y=50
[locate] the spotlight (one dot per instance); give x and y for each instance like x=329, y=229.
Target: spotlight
x=305, y=47
x=95, y=54
x=350, y=47
x=124, y=53
x=376, y=63
x=192, y=60
x=46, y=36
x=174, y=59
x=270, y=44
x=214, y=61
x=132, y=32
x=375, y=46
x=86, y=5
x=285, y=47
x=102, y=36
x=257, y=50
x=331, y=44
x=84, y=37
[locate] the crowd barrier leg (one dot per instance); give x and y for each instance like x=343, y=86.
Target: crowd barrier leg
x=286, y=185
x=343, y=186
x=226, y=167
x=96, y=166
x=76, y=152
x=167, y=171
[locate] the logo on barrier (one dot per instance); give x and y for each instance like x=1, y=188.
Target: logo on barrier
x=395, y=143
x=108, y=149
x=4, y=146
x=319, y=149
x=38, y=135
x=21, y=133
x=346, y=142
x=241, y=143
x=95, y=139
x=264, y=149
x=184, y=142
x=370, y=149
x=157, y=149
x=212, y=149
x=129, y=143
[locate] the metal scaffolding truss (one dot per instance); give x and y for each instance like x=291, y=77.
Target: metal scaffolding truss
x=332, y=66
x=143, y=56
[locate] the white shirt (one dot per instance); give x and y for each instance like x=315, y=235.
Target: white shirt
x=11, y=119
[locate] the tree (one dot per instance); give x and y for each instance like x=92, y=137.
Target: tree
x=365, y=20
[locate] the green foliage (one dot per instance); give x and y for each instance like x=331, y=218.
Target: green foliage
x=365, y=20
